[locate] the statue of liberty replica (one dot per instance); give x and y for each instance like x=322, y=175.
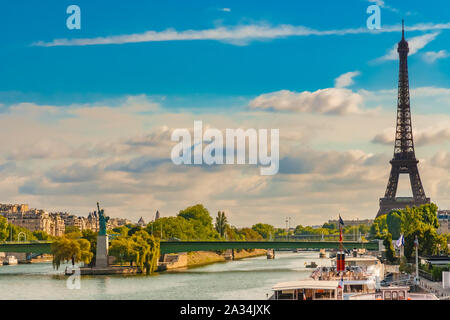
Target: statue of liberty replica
x=101, y=260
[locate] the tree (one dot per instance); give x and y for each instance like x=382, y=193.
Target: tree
x=66, y=249
x=41, y=235
x=172, y=227
x=266, y=231
x=221, y=223
x=233, y=233
x=3, y=228
x=123, y=250
x=71, y=229
x=250, y=234
x=201, y=220
x=331, y=226
x=134, y=229
x=390, y=252
x=394, y=223
x=122, y=230
x=91, y=236
x=146, y=249
x=379, y=228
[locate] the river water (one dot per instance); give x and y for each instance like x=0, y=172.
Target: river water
x=250, y=278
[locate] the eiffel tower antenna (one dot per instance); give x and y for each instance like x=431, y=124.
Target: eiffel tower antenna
x=404, y=160
x=403, y=29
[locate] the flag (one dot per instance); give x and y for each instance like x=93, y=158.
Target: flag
x=416, y=242
x=341, y=222
x=400, y=242
x=341, y=284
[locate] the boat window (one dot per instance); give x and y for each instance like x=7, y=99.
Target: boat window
x=286, y=295
x=323, y=294
x=394, y=295
x=387, y=295
x=401, y=295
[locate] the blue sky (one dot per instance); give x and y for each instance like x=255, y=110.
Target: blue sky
x=82, y=104
x=205, y=68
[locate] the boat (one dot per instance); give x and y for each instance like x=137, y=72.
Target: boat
x=10, y=260
x=322, y=253
x=393, y=293
x=312, y=264
x=307, y=290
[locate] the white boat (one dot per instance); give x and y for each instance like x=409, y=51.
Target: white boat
x=362, y=276
x=393, y=293
x=10, y=260
x=307, y=290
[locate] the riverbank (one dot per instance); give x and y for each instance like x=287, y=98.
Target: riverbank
x=201, y=258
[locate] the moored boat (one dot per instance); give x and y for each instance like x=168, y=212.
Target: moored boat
x=10, y=260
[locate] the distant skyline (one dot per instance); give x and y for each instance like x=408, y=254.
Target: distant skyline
x=86, y=115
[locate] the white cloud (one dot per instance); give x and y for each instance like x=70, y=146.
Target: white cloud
x=345, y=79
x=383, y=5
x=431, y=135
x=121, y=157
x=432, y=56
x=226, y=9
x=415, y=44
x=337, y=100
x=329, y=101
x=239, y=35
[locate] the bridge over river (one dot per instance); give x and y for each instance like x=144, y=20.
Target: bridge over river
x=187, y=246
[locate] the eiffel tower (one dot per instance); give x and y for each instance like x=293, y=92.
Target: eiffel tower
x=404, y=160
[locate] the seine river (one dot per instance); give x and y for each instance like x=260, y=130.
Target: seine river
x=250, y=278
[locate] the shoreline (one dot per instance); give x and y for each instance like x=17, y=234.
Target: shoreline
x=203, y=258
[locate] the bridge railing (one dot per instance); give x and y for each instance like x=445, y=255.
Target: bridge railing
x=26, y=242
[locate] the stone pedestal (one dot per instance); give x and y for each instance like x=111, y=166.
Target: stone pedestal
x=101, y=260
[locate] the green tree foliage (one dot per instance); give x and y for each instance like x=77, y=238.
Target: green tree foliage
x=416, y=221
x=122, y=230
x=146, y=250
x=331, y=226
x=173, y=227
x=199, y=216
x=379, y=228
x=14, y=231
x=3, y=229
x=390, y=252
x=67, y=249
x=41, y=235
x=221, y=223
x=91, y=236
x=140, y=248
x=71, y=229
x=394, y=223
x=250, y=234
x=134, y=229
x=233, y=234
x=265, y=230
x=123, y=249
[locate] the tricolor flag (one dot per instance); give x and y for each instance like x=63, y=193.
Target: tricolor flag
x=400, y=242
x=341, y=222
x=341, y=284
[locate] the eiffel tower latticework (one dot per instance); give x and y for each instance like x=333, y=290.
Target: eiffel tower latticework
x=404, y=160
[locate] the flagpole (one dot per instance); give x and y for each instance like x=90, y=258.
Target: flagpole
x=416, y=244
